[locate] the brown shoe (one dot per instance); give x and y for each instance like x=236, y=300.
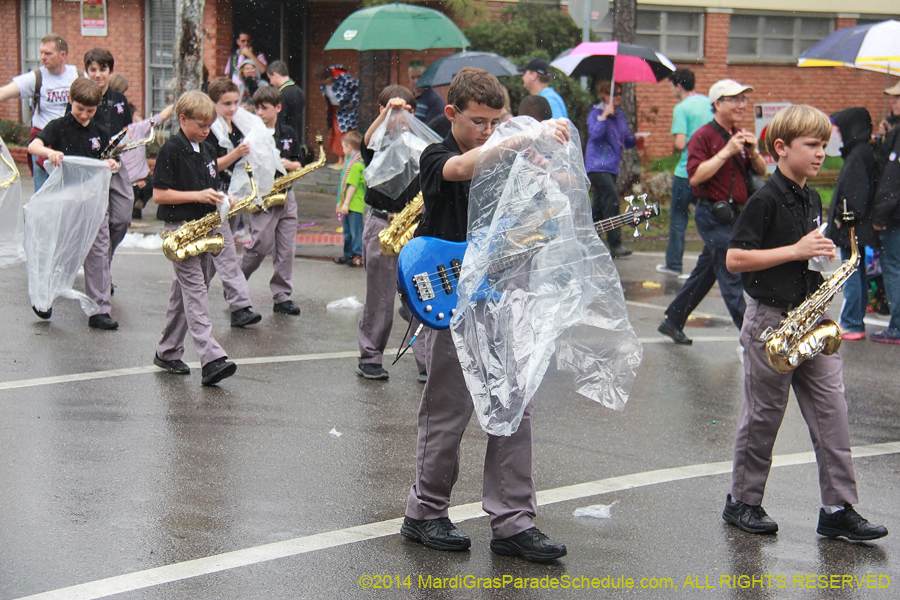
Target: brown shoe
x=356, y=261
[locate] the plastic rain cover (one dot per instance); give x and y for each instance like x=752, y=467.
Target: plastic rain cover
x=264, y=158
x=12, y=227
x=61, y=223
x=536, y=279
x=398, y=143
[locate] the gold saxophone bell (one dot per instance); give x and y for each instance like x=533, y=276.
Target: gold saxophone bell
x=403, y=227
x=192, y=238
x=282, y=185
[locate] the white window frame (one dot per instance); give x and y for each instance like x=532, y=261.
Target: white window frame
x=42, y=25
x=662, y=33
x=761, y=37
x=155, y=68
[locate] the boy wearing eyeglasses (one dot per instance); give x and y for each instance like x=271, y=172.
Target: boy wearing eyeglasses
x=475, y=105
x=721, y=157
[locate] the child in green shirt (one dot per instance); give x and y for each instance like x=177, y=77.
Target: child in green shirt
x=351, y=200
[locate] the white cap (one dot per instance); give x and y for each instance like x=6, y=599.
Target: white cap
x=727, y=87
x=893, y=91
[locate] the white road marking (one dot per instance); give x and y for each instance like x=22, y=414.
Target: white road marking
x=351, y=535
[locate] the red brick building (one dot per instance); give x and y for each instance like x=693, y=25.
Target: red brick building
x=754, y=46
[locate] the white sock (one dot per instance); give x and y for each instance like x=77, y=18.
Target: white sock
x=831, y=509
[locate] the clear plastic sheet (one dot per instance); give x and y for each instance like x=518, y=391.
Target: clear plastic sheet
x=61, y=223
x=12, y=227
x=264, y=158
x=398, y=143
x=536, y=279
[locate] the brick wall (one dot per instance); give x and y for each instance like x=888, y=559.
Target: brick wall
x=10, y=61
x=829, y=89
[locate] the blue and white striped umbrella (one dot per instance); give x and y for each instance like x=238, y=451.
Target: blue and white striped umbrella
x=873, y=47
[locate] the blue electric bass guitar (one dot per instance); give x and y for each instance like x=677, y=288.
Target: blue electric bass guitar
x=428, y=268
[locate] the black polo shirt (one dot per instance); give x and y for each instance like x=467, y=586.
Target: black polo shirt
x=446, y=202
x=380, y=201
x=236, y=137
x=113, y=111
x=779, y=215
x=292, y=102
x=179, y=167
x=286, y=141
x=68, y=136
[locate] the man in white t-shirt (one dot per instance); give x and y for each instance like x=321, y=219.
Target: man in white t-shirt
x=56, y=78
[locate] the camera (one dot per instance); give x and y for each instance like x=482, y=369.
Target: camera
x=722, y=211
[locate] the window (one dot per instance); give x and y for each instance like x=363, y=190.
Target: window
x=36, y=23
x=774, y=38
x=160, y=54
x=678, y=35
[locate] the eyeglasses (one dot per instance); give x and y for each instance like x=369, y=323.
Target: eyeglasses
x=737, y=99
x=480, y=125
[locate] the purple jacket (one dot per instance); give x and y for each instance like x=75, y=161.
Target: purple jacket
x=606, y=140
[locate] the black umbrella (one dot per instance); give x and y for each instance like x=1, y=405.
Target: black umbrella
x=443, y=71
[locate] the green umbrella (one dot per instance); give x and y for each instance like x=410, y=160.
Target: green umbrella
x=396, y=27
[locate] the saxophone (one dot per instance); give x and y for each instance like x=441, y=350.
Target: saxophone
x=283, y=184
x=113, y=150
x=192, y=238
x=14, y=172
x=403, y=226
x=801, y=336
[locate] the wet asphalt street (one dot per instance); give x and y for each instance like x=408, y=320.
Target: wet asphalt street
x=119, y=480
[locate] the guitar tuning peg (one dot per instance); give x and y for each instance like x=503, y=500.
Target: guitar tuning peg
x=637, y=232
x=643, y=199
x=630, y=201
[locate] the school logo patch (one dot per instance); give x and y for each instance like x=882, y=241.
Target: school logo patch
x=212, y=170
x=286, y=144
x=892, y=157
x=95, y=143
x=120, y=107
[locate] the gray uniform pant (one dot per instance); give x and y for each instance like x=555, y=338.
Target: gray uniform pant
x=508, y=493
x=96, y=269
x=189, y=310
x=275, y=233
x=377, y=316
x=819, y=387
x=121, y=203
x=237, y=293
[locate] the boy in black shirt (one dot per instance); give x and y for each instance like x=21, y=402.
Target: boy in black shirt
x=475, y=104
x=77, y=134
x=113, y=113
x=184, y=187
x=771, y=243
x=275, y=231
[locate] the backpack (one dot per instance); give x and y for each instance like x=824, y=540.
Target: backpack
x=38, y=82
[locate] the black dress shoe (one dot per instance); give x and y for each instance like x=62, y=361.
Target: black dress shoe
x=849, y=524
x=439, y=534
x=103, y=321
x=677, y=335
x=619, y=251
x=44, y=314
x=531, y=545
x=287, y=307
x=244, y=317
x=752, y=519
x=178, y=367
x=217, y=370
x=342, y=260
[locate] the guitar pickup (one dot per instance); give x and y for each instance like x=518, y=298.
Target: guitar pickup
x=456, y=266
x=422, y=283
x=445, y=279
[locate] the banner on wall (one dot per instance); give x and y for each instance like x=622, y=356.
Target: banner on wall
x=763, y=113
x=93, y=18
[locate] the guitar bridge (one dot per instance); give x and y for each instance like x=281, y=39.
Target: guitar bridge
x=422, y=283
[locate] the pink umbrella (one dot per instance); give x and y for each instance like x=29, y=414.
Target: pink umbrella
x=615, y=61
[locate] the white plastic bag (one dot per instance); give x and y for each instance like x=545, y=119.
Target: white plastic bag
x=536, y=279
x=264, y=158
x=348, y=303
x=597, y=511
x=12, y=227
x=61, y=223
x=398, y=143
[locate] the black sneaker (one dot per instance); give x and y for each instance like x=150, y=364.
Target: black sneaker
x=677, y=335
x=619, y=251
x=531, y=545
x=342, y=260
x=752, y=519
x=439, y=534
x=244, y=317
x=287, y=307
x=370, y=371
x=849, y=524
x=423, y=377
x=103, y=321
x=177, y=367
x=217, y=370
x=44, y=314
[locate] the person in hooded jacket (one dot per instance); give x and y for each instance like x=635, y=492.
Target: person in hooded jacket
x=886, y=221
x=856, y=187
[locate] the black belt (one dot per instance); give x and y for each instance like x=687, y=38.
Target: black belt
x=382, y=214
x=737, y=206
x=785, y=306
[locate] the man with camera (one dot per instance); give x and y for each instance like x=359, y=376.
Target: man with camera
x=721, y=157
